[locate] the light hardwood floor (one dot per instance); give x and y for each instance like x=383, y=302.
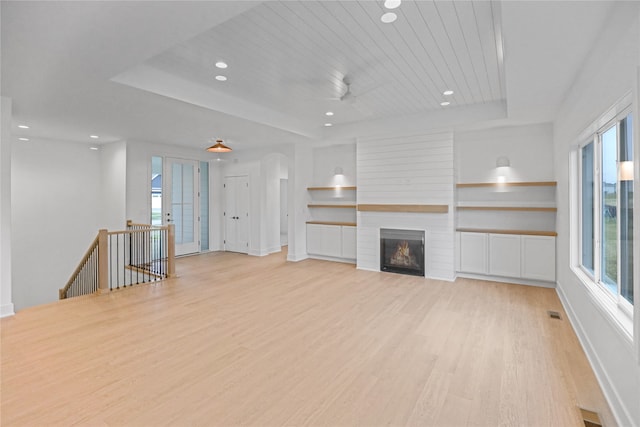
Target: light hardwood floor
x=238, y=340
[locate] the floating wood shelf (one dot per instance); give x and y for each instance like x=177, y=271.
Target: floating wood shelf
x=329, y=188
x=500, y=231
x=507, y=208
x=404, y=208
x=347, y=224
x=508, y=184
x=334, y=206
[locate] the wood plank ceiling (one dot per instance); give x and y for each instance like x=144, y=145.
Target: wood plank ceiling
x=292, y=56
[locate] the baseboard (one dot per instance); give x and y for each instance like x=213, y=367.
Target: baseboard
x=274, y=249
x=7, y=310
x=368, y=269
x=526, y=282
x=445, y=279
x=611, y=395
x=258, y=253
x=334, y=259
x=295, y=258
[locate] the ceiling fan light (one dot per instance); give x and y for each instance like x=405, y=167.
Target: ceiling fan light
x=388, y=17
x=392, y=4
x=219, y=147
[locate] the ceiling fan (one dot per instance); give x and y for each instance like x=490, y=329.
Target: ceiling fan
x=347, y=95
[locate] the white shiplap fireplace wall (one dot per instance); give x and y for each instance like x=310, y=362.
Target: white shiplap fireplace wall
x=407, y=170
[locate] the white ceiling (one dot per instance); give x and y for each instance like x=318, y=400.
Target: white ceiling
x=144, y=70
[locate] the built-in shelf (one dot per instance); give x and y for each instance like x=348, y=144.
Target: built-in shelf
x=508, y=208
x=500, y=231
x=345, y=224
x=508, y=184
x=404, y=208
x=329, y=188
x=331, y=206
x=331, y=227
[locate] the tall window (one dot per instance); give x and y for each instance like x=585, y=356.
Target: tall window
x=606, y=205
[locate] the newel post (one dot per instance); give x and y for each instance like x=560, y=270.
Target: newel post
x=171, y=251
x=103, y=261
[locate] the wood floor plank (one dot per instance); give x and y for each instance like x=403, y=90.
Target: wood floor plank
x=239, y=340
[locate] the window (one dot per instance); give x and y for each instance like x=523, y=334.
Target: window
x=606, y=210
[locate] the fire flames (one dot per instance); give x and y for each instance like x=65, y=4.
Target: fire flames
x=402, y=256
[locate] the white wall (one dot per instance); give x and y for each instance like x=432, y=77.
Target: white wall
x=300, y=177
x=325, y=161
x=529, y=149
x=407, y=170
x=56, y=201
x=216, y=197
x=113, y=195
x=6, y=299
x=610, y=72
x=271, y=171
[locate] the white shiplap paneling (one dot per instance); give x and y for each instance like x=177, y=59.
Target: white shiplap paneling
x=407, y=170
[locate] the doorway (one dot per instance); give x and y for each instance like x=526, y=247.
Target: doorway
x=236, y=214
x=181, y=203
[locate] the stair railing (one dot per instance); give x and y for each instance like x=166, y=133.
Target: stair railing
x=140, y=254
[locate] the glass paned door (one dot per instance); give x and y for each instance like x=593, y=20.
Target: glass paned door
x=180, y=203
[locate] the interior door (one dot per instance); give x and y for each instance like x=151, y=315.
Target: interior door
x=236, y=215
x=181, y=203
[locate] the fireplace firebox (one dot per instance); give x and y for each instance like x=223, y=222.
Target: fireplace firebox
x=402, y=251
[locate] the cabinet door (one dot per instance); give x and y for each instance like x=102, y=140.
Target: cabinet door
x=473, y=253
x=539, y=258
x=504, y=255
x=348, y=242
x=324, y=240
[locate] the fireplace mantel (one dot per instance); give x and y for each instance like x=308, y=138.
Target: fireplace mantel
x=404, y=208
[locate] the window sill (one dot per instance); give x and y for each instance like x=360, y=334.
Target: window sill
x=616, y=315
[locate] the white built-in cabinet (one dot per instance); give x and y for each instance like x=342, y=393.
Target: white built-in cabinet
x=473, y=252
x=540, y=253
x=507, y=230
x=331, y=241
x=331, y=233
x=506, y=255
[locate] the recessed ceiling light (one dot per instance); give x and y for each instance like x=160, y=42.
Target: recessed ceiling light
x=94, y=136
x=447, y=92
x=23, y=139
x=329, y=113
x=328, y=124
x=221, y=64
x=392, y=4
x=23, y=126
x=221, y=78
x=93, y=148
x=388, y=17
x=445, y=103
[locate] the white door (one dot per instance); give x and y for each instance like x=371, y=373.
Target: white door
x=181, y=203
x=236, y=214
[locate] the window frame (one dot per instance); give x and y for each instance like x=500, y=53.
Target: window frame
x=621, y=311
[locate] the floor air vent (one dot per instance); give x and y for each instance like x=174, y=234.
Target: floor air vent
x=590, y=418
x=554, y=315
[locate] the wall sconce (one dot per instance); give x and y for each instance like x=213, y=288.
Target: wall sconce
x=502, y=162
x=625, y=171
x=338, y=171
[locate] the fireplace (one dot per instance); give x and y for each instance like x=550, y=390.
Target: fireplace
x=402, y=251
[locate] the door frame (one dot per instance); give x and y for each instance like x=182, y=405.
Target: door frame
x=225, y=210
x=167, y=194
